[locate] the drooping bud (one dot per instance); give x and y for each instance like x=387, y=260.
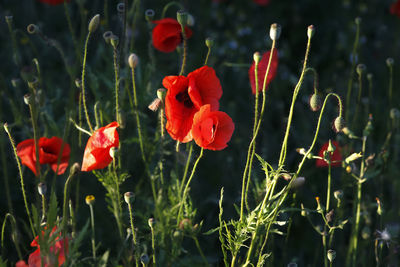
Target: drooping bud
x=331, y=254
x=28, y=99
x=151, y=222
x=209, y=42
x=32, y=29
x=74, y=169
x=107, y=36
x=315, y=102
x=78, y=83
x=339, y=124
x=338, y=194
x=275, y=31
x=379, y=209
x=133, y=60
x=129, y=197
x=257, y=57
x=389, y=62
x=361, y=68
x=301, y=151
x=113, y=152
x=182, y=18
x=310, y=31
x=90, y=199
x=94, y=23
x=42, y=189
x=149, y=14
x=34, y=84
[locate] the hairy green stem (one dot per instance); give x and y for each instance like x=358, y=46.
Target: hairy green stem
x=83, y=83
x=93, y=232
x=139, y=128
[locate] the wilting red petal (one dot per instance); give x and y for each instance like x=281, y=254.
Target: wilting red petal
x=336, y=157
x=262, y=68
x=97, y=151
x=212, y=129
x=167, y=34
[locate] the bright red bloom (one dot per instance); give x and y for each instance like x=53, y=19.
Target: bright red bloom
x=184, y=98
x=212, y=129
x=55, y=255
x=53, y=2
x=262, y=68
x=261, y=2
x=49, y=150
x=97, y=151
x=395, y=8
x=21, y=263
x=336, y=157
x=167, y=34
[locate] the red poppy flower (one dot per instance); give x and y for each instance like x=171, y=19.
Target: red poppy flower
x=261, y=2
x=395, y=8
x=97, y=151
x=336, y=157
x=49, y=150
x=184, y=98
x=21, y=263
x=167, y=34
x=53, y=2
x=212, y=129
x=55, y=255
x=262, y=68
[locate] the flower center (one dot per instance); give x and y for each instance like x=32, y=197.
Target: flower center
x=183, y=97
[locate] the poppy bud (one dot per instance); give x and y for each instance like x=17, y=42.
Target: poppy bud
x=209, y=42
x=338, y=194
x=149, y=14
x=394, y=113
x=94, y=23
x=114, y=40
x=257, y=57
x=114, y=152
x=310, y=31
x=151, y=222
x=90, y=199
x=42, y=189
x=121, y=7
x=357, y=20
x=315, y=102
x=129, y=197
x=182, y=18
x=370, y=76
x=185, y=224
x=361, y=68
x=78, y=83
x=331, y=148
x=286, y=176
x=275, y=31
x=161, y=93
x=389, y=62
x=133, y=60
x=32, y=29
x=339, y=124
x=331, y=254
x=301, y=151
x=74, y=169
x=107, y=36
x=28, y=99
x=144, y=258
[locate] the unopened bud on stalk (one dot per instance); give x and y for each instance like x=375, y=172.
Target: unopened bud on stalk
x=182, y=18
x=121, y=7
x=161, y=93
x=257, y=57
x=310, y=31
x=286, y=176
x=107, y=36
x=74, y=169
x=209, y=42
x=78, y=83
x=331, y=148
x=370, y=76
x=338, y=194
x=133, y=60
x=94, y=23
x=366, y=233
x=379, y=209
x=149, y=14
x=339, y=124
x=275, y=31
x=361, y=68
x=28, y=99
x=301, y=151
x=90, y=199
x=151, y=222
x=114, y=40
x=42, y=189
x=315, y=102
x=32, y=29
x=113, y=152
x=389, y=62
x=331, y=254
x=129, y=197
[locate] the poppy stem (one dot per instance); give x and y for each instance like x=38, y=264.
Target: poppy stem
x=153, y=246
x=93, y=232
x=186, y=168
x=13, y=229
x=390, y=84
x=185, y=192
x=184, y=52
x=208, y=55
x=116, y=73
x=83, y=83
x=5, y=125
x=72, y=31
x=43, y=207
x=172, y=3
x=139, y=128
x=33, y=113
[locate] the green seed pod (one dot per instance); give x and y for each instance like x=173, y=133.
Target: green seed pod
x=315, y=102
x=209, y=42
x=339, y=124
x=94, y=23
x=182, y=18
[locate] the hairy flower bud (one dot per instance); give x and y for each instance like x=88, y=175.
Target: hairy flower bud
x=209, y=42
x=275, y=31
x=339, y=124
x=129, y=197
x=257, y=57
x=161, y=93
x=151, y=222
x=74, y=169
x=28, y=99
x=182, y=18
x=94, y=23
x=114, y=40
x=331, y=254
x=315, y=102
x=133, y=60
x=310, y=31
x=42, y=189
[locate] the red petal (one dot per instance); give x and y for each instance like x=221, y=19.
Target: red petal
x=26, y=152
x=262, y=68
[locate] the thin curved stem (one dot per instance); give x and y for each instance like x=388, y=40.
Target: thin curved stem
x=173, y=3
x=83, y=83
x=139, y=128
